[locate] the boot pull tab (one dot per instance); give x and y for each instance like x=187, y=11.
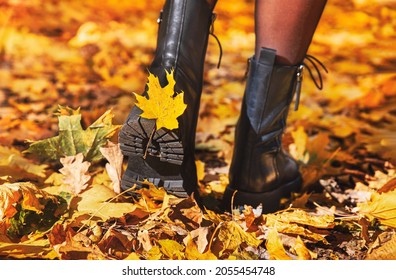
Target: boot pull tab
x=300, y=76
x=211, y=32
x=159, y=19
x=314, y=62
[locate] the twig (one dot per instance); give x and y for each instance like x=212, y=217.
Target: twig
x=149, y=142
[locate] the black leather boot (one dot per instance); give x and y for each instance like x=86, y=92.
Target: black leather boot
x=167, y=159
x=261, y=171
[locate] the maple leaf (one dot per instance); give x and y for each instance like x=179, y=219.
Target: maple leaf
x=162, y=104
x=74, y=171
x=25, y=194
x=112, y=153
x=73, y=139
x=302, y=251
x=29, y=249
x=275, y=247
x=232, y=236
x=171, y=249
x=193, y=253
x=25, y=208
x=295, y=223
x=14, y=164
x=382, y=207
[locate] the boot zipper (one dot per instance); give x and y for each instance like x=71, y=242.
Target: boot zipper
x=159, y=20
x=297, y=91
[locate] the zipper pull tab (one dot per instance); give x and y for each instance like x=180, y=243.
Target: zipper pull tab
x=298, y=85
x=211, y=32
x=159, y=20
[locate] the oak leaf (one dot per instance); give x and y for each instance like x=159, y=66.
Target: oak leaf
x=162, y=103
x=75, y=173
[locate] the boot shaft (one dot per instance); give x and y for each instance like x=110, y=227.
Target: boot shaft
x=183, y=37
x=269, y=92
x=259, y=163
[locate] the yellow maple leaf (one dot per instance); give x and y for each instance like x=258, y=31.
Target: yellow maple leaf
x=275, y=247
x=171, y=249
x=162, y=104
x=303, y=253
x=381, y=206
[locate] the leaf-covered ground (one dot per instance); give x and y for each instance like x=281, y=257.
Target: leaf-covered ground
x=61, y=200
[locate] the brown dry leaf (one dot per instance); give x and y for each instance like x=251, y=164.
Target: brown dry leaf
x=74, y=170
x=171, y=249
x=275, y=247
x=162, y=104
x=78, y=246
x=112, y=153
x=382, y=207
x=387, y=251
x=389, y=186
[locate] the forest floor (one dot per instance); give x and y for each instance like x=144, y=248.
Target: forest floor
x=78, y=54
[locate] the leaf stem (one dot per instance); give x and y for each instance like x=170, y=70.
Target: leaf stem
x=149, y=142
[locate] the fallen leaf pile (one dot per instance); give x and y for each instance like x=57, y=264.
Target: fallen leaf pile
x=67, y=73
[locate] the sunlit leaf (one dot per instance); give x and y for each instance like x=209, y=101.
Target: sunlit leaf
x=162, y=104
x=275, y=247
x=382, y=207
x=73, y=139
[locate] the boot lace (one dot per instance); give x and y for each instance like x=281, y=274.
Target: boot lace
x=309, y=63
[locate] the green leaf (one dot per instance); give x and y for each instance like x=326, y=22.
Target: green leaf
x=73, y=139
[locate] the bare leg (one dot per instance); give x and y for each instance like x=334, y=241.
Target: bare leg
x=287, y=26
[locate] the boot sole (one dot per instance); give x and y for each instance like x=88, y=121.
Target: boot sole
x=270, y=200
x=163, y=160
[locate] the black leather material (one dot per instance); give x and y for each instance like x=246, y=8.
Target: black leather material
x=259, y=163
x=181, y=45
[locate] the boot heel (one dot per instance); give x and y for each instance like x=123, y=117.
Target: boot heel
x=156, y=158
x=270, y=200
